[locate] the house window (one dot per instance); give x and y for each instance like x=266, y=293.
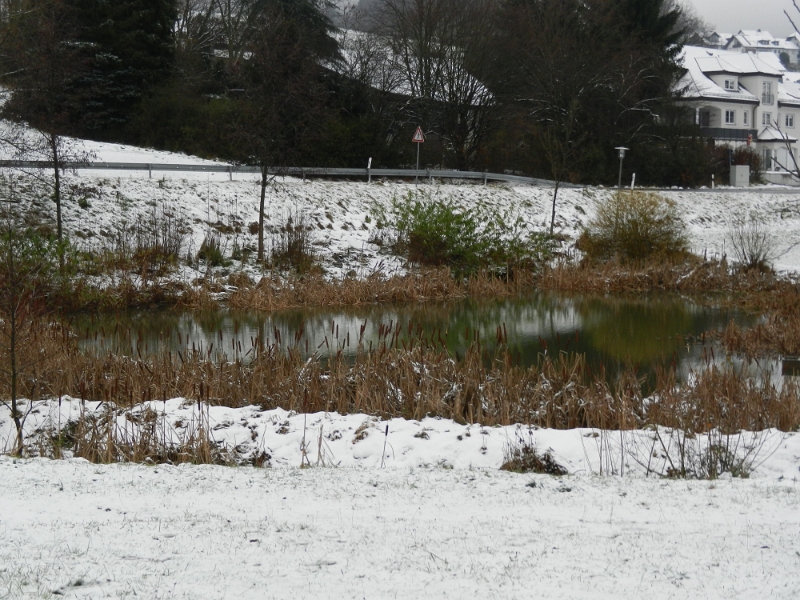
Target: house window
x=766, y=158
x=766, y=119
x=789, y=120
x=766, y=94
x=745, y=117
x=730, y=117
x=705, y=118
x=730, y=85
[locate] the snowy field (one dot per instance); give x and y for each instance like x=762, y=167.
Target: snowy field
x=77, y=530
x=343, y=213
x=421, y=513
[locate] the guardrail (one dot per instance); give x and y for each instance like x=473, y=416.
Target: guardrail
x=302, y=172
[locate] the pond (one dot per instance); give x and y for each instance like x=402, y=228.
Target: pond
x=613, y=332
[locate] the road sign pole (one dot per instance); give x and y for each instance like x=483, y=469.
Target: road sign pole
x=417, y=179
x=418, y=139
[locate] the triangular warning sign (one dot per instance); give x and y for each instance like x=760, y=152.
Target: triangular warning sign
x=419, y=137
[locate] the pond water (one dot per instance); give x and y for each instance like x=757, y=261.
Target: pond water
x=612, y=332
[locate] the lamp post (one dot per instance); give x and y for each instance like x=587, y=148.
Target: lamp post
x=622, y=150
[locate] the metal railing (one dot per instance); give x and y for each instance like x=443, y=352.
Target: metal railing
x=724, y=133
x=302, y=172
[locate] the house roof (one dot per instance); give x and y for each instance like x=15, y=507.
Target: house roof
x=789, y=94
x=770, y=134
x=760, y=40
x=702, y=62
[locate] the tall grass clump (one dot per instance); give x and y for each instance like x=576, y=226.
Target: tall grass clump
x=633, y=226
x=291, y=245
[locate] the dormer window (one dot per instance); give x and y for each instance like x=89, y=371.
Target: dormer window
x=730, y=85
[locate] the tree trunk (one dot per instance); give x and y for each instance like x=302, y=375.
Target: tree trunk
x=261, y=214
x=57, y=196
x=553, y=215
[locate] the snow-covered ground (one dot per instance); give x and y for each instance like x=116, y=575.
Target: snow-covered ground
x=420, y=511
x=79, y=530
x=343, y=214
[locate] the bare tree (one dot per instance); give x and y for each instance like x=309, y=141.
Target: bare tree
x=443, y=50
x=557, y=72
x=694, y=28
x=368, y=61
x=238, y=23
x=42, y=65
x=282, y=101
x=196, y=26
x=25, y=267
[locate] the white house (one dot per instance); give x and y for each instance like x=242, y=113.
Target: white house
x=717, y=39
x=744, y=99
x=762, y=42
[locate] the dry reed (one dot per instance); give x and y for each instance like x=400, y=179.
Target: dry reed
x=314, y=290
x=693, y=275
x=413, y=376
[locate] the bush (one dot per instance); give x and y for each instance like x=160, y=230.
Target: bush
x=635, y=226
x=751, y=242
x=441, y=233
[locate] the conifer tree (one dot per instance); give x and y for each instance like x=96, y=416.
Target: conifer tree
x=130, y=44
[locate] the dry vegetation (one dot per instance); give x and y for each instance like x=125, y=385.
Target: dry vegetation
x=417, y=378
x=275, y=293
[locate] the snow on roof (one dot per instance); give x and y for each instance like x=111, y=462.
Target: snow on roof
x=789, y=92
x=737, y=63
x=771, y=134
x=762, y=40
x=699, y=62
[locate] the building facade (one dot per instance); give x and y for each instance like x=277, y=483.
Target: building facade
x=742, y=98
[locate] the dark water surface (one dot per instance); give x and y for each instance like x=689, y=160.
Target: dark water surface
x=612, y=331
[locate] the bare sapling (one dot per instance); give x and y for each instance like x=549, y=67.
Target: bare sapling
x=26, y=264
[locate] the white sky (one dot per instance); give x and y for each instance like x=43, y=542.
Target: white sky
x=732, y=15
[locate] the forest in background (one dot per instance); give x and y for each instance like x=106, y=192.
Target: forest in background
x=546, y=88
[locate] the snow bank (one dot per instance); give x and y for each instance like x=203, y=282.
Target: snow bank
x=287, y=439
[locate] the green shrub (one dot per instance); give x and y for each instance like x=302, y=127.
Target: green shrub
x=438, y=232
x=634, y=226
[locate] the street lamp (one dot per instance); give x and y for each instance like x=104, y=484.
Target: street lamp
x=622, y=150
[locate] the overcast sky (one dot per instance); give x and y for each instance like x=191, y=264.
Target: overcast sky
x=732, y=15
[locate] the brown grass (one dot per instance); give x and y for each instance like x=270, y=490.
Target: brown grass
x=314, y=290
x=101, y=437
x=417, y=378
x=692, y=276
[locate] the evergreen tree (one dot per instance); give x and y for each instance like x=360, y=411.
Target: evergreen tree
x=131, y=48
x=652, y=23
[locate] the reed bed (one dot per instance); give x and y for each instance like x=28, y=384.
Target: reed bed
x=413, y=376
x=112, y=434
x=691, y=276
x=272, y=293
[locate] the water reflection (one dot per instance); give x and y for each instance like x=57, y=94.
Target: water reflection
x=613, y=332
